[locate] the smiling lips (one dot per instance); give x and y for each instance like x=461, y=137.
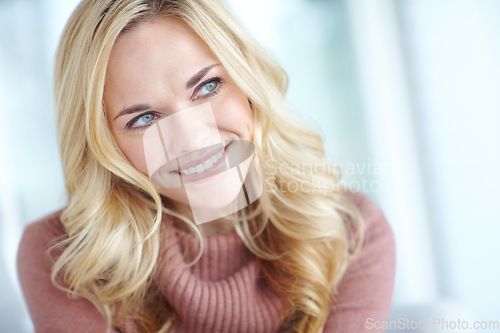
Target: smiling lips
x=205, y=165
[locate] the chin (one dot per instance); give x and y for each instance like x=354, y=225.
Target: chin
x=216, y=199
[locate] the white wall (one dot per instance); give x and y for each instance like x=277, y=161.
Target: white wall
x=454, y=63
x=386, y=94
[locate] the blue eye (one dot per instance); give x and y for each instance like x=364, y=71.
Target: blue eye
x=142, y=121
x=207, y=88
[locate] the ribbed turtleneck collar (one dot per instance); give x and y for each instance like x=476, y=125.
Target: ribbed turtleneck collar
x=223, y=292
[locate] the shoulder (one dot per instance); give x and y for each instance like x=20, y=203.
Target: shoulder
x=42, y=233
x=33, y=255
x=34, y=262
x=365, y=291
x=377, y=256
x=375, y=224
x=51, y=309
x=38, y=237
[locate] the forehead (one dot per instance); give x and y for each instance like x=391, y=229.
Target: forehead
x=162, y=39
x=157, y=55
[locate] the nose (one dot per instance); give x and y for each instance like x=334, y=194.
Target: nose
x=189, y=130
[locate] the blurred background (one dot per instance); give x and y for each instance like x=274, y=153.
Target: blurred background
x=404, y=92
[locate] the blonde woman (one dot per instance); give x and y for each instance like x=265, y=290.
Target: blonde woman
x=131, y=251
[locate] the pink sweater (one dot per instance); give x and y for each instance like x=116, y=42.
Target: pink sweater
x=223, y=292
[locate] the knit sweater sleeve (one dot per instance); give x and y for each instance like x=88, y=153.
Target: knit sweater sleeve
x=51, y=310
x=365, y=292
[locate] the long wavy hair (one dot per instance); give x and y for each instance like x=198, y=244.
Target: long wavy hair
x=299, y=229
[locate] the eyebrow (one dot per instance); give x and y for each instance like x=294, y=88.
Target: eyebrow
x=189, y=84
x=133, y=109
x=198, y=76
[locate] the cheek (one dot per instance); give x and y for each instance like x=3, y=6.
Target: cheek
x=234, y=114
x=133, y=149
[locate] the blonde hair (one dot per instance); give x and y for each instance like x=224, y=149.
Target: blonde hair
x=114, y=213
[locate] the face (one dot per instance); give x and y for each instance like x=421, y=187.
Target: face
x=155, y=72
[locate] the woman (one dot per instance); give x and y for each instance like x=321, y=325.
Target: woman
x=130, y=251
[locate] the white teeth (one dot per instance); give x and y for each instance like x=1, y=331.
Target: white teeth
x=204, y=165
x=199, y=168
x=207, y=164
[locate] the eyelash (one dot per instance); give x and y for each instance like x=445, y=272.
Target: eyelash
x=216, y=79
x=130, y=124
